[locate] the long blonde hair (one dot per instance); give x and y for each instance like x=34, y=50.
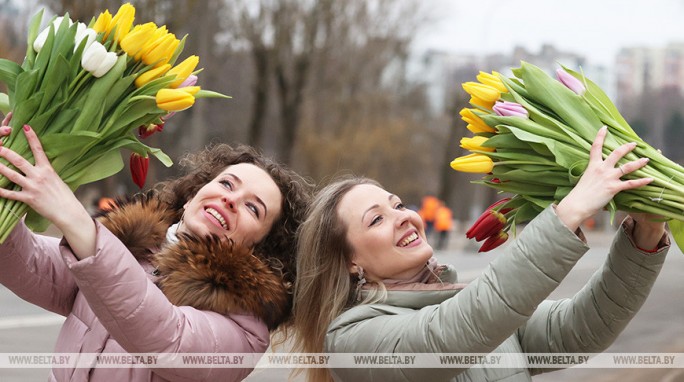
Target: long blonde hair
x=324, y=287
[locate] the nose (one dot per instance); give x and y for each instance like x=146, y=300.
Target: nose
x=230, y=202
x=403, y=217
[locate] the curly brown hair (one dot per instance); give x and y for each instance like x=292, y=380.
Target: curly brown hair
x=278, y=248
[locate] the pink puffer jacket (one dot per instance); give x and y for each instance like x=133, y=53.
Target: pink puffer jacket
x=112, y=305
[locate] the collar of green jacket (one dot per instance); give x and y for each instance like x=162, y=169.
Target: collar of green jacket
x=418, y=295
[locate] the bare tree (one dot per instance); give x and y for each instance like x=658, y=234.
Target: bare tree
x=304, y=51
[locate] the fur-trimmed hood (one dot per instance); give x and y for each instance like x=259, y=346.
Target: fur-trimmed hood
x=205, y=273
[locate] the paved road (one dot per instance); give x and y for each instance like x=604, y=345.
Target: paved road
x=658, y=327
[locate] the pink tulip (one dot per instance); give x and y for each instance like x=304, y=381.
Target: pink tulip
x=190, y=81
x=570, y=81
x=510, y=109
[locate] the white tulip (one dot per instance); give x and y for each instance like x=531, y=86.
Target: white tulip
x=40, y=40
x=97, y=60
x=106, y=64
x=58, y=21
x=82, y=31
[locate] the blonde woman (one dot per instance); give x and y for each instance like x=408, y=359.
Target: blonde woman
x=367, y=282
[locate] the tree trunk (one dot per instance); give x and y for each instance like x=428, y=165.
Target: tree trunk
x=260, y=102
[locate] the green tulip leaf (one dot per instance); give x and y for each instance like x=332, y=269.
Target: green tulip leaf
x=43, y=57
x=55, y=79
x=563, y=101
x=598, y=98
x=178, y=51
x=93, y=109
x=4, y=104
x=210, y=94
x=677, y=230
x=527, y=212
x=33, y=30
x=36, y=222
x=9, y=70
x=523, y=188
x=576, y=170
x=105, y=166
x=117, y=94
x=24, y=110
x=506, y=140
x=28, y=81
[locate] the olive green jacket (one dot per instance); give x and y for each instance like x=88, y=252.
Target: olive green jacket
x=504, y=310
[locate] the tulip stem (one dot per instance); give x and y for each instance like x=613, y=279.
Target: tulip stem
x=658, y=211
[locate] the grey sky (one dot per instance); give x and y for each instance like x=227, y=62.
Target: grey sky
x=594, y=28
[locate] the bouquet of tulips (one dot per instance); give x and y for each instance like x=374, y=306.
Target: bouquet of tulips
x=90, y=91
x=531, y=137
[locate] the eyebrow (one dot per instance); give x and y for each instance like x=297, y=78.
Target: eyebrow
x=376, y=206
x=258, y=199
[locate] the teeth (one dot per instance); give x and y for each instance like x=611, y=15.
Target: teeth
x=411, y=238
x=218, y=217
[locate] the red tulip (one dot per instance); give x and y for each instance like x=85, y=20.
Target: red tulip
x=145, y=131
x=139, y=165
x=489, y=223
x=494, y=241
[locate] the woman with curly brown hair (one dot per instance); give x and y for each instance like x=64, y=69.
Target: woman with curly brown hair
x=201, y=264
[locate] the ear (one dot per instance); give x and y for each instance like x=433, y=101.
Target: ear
x=353, y=268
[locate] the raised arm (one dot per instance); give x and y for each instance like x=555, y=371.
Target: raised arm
x=591, y=320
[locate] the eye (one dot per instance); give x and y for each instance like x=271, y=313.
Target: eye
x=226, y=183
x=375, y=220
x=400, y=206
x=252, y=207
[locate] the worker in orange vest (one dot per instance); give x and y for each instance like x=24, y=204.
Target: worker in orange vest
x=443, y=224
x=427, y=212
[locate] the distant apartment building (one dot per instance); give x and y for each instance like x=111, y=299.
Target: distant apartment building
x=639, y=69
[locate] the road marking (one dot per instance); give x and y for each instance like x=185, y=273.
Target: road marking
x=30, y=321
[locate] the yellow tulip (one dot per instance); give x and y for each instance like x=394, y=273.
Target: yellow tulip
x=136, y=39
x=484, y=92
x=175, y=99
x=474, y=163
x=123, y=20
x=475, y=123
x=153, y=40
x=192, y=90
x=102, y=22
x=481, y=103
x=183, y=70
x=162, y=52
x=475, y=144
x=150, y=75
x=492, y=80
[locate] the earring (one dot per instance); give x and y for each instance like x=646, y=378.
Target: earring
x=359, y=283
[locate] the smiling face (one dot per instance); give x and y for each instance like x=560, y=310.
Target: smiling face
x=387, y=239
x=241, y=203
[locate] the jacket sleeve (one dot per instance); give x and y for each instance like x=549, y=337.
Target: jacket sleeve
x=31, y=267
x=142, y=320
x=477, y=319
x=591, y=320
